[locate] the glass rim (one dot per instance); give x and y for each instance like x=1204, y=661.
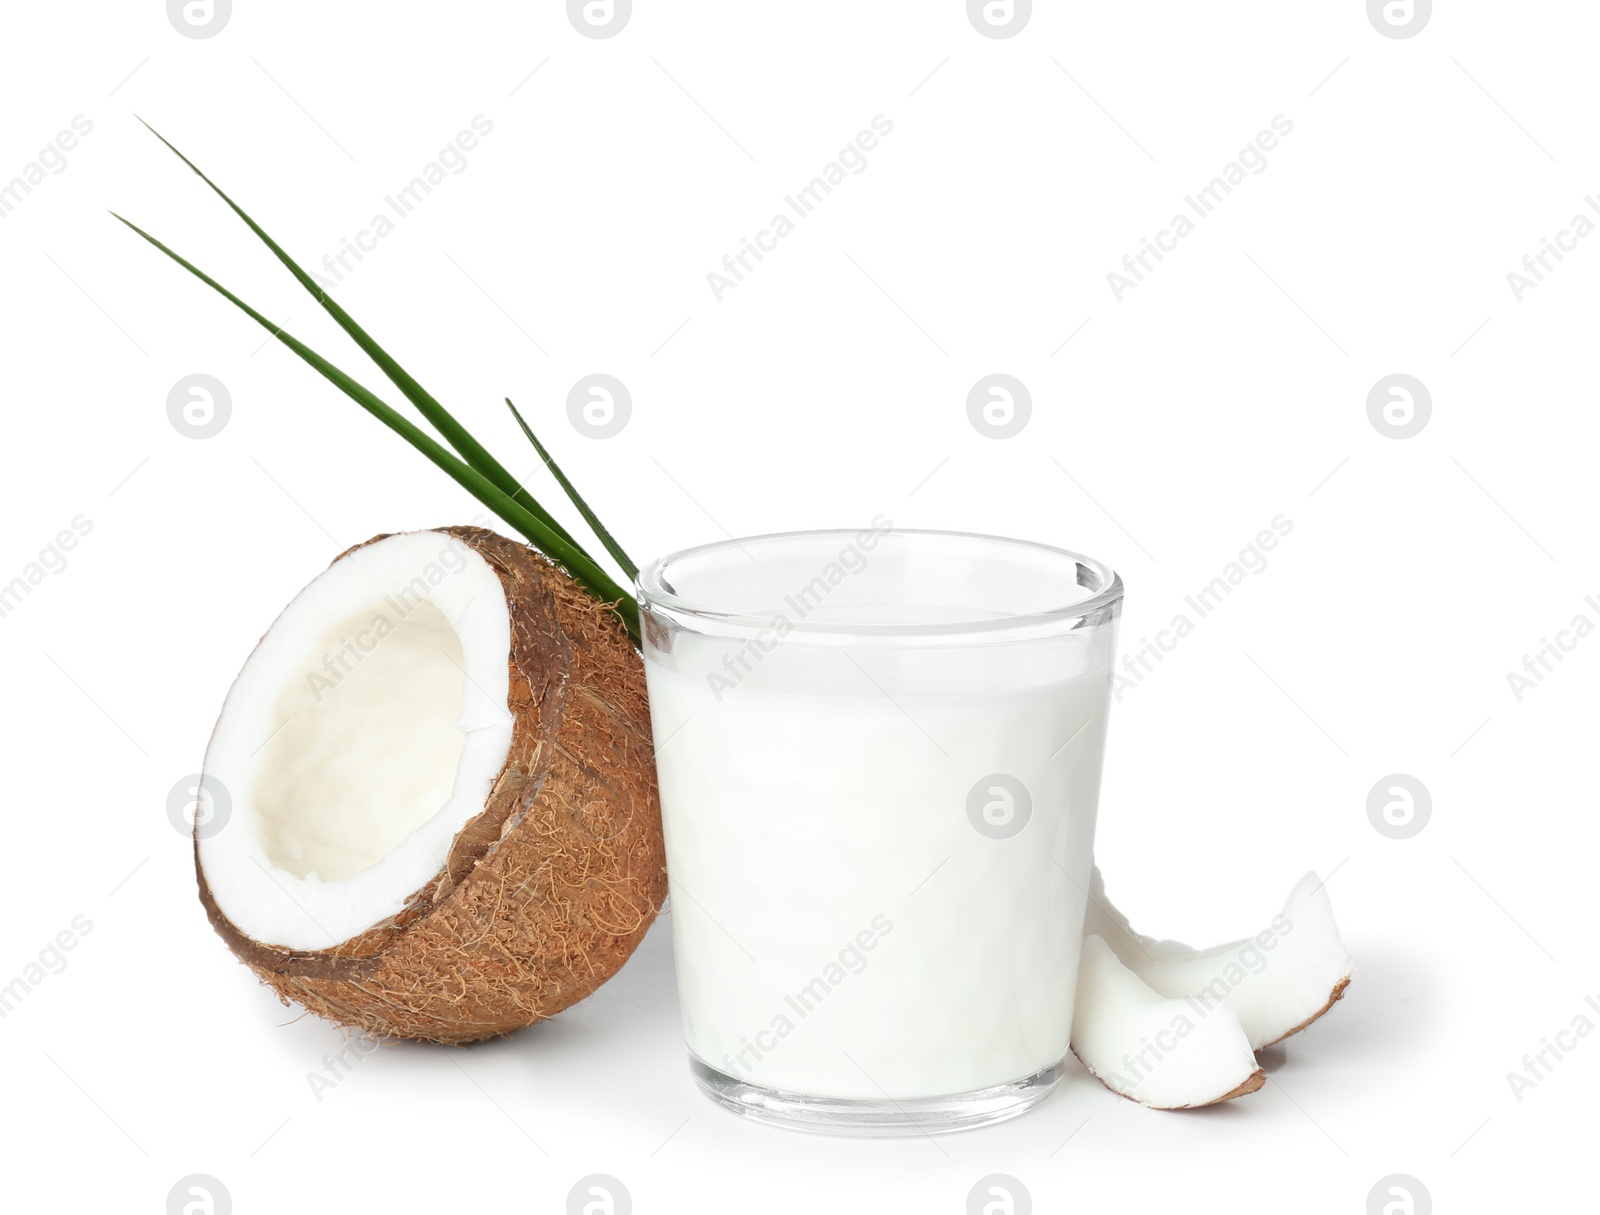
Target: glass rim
x=655, y=593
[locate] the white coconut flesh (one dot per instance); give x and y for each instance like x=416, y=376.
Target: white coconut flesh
x=1277, y=980
x=1161, y=1052
x=364, y=732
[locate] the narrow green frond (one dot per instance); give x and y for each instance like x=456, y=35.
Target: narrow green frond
x=457, y=435
x=561, y=550
x=593, y=520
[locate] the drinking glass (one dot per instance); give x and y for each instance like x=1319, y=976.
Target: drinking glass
x=879, y=756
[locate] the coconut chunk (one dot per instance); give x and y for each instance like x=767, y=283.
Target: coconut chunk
x=1166, y=1053
x=1277, y=981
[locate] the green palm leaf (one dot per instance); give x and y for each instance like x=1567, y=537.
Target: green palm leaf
x=457, y=435
x=593, y=520
x=548, y=540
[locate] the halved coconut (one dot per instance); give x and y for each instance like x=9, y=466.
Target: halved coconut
x=1278, y=981
x=444, y=818
x=1170, y=1054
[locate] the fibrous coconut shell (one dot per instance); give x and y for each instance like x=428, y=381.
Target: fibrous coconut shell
x=546, y=893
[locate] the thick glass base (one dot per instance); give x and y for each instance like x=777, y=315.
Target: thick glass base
x=876, y=1117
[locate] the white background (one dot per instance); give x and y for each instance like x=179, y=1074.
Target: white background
x=1226, y=389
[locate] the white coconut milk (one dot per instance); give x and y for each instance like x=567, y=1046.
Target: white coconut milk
x=850, y=919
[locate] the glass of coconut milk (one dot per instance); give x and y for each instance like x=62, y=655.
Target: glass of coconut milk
x=879, y=754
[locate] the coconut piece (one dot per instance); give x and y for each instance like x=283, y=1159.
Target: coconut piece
x=1165, y=1053
x=444, y=819
x=1278, y=981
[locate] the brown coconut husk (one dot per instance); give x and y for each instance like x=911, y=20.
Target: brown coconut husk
x=546, y=893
